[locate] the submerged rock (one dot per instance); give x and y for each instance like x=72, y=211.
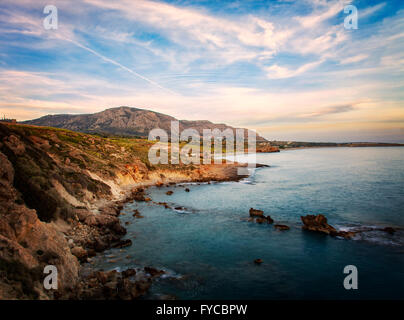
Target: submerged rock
x=389, y=230
x=281, y=227
x=169, y=193
x=153, y=272
x=123, y=244
x=137, y=214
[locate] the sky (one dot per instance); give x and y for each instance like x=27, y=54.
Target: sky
x=288, y=69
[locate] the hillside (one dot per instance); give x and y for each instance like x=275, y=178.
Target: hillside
x=61, y=193
x=124, y=121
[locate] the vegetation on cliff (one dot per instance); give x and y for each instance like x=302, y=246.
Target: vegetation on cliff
x=60, y=196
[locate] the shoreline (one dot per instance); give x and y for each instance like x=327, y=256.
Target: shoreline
x=136, y=192
x=61, y=193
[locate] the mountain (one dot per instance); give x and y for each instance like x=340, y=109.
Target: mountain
x=124, y=121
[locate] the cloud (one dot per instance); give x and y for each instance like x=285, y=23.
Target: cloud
x=229, y=40
x=278, y=72
x=121, y=66
x=357, y=58
x=324, y=10
x=328, y=110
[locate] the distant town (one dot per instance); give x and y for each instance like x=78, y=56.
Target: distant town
x=4, y=119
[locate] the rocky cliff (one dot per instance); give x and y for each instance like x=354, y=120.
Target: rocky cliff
x=60, y=197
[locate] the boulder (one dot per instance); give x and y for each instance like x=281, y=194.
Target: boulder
x=80, y=254
x=138, y=195
x=111, y=285
x=169, y=193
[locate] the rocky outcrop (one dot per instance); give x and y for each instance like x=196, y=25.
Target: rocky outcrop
x=266, y=148
x=318, y=223
x=259, y=216
x=111, y=285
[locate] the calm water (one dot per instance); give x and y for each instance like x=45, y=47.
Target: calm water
x=208, y=249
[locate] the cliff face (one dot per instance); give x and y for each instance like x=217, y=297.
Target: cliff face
x=60, y=197
x=27, y=245
x=46, y=178
x=125, y=121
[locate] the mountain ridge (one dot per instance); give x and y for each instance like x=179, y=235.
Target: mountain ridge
x=126, y=121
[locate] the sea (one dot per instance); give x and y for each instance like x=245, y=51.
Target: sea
x=206, y=244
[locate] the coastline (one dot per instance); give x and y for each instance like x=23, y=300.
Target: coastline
x=92, y=282
x=61, y=196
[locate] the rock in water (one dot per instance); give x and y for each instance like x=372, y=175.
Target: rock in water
x=256, y=213
x=123, y=244
x=258, y=261
x=153, y=272
x=281, y=227
x=389, y=230
x=317, y=223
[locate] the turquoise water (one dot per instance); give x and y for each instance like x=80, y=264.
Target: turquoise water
x=208, y=248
